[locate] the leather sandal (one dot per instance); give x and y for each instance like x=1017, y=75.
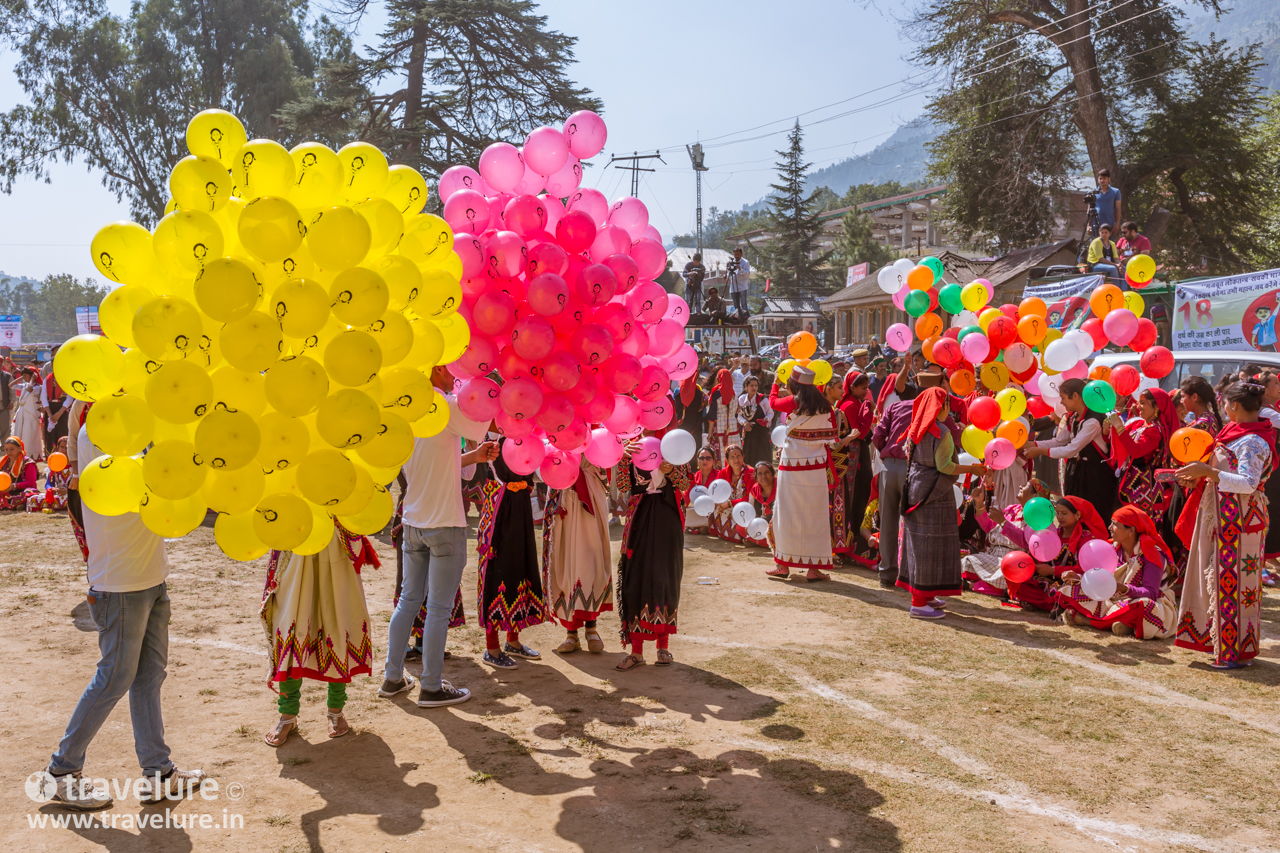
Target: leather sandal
x=594, y=644
x=571, y=644
x=629, y=663
x=337, y=723
x=278, y=735
x=664, y=658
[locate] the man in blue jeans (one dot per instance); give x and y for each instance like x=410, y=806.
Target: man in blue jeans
x=130, y=607
x=434, y=545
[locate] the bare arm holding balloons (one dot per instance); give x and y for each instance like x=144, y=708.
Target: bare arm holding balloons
x=486, y=452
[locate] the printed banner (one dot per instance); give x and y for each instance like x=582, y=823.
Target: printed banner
x=857, y=272
x=1234, y=313
x=719, y=339
x=87, y=321
x=1067, y=301
x=11, y=330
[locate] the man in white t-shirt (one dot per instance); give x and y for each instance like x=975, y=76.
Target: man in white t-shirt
x=740, y=283
x=740, y=374
x=129, y=604
x=434, y=546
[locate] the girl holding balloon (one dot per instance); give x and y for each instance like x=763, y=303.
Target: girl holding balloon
x=1141, y=447
x=706, y=473
x=1081, y=441
x=1005, y=532
x=740, y=478
x=575, y=552
x=1078, y=523
x=18, y=474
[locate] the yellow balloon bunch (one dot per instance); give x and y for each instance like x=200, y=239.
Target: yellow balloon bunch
x=268, y=345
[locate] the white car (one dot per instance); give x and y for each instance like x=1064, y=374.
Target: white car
x=1211, y=367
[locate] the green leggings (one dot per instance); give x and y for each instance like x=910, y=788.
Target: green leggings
x=291, y=693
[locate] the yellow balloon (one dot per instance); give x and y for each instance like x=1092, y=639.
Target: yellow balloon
x=122, y=252
x=338, y=237
x=200, y=183
x=296, y=385
x=975, y=440
x=209, y=350
x=270, y=229
x=822, y=371
x=253, y=343
x=358, y=296
x=450, y=263
x=393, y=445
x=263, y=168
x=116, y=312
x=1012, y=403
x=167, y=431
x=403, y=278
x=394, y=335
x=137, y=369
x=326, y=477
x=91, y=367
x=238, y=391
x=407, y=392
x=435, y=420
x=226, y=289
x=172, y=519
x=457, y=334
x=427, y=241
x=173, y=470
x=322, y=533
x=282, y=521
x=285, y=441
x=167, y=328
x=440, y=296
x=121, y=425
x=227, y=440
x=364, y=171
x=406, y=190
x=236, y=537
x=353, y=358
x=283, y=480
x=228, y=219
x=112, y=485
x=360, y=495
x=386, y=225
x=374, y=517
x=428, y=344
x=973, y=296
x=234, y=491
x=317, y=175
x=1134, y=302
x=348, y=418
x=784, y=370
x=186, y=240
x=994, y=375
x=1140, y=269
x=217, y=134
x=179, y=392
x=301, y=306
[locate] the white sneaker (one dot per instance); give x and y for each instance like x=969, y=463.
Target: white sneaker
x=74, y=793
x=177, y=785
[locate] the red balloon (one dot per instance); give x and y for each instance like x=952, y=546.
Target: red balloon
x=946, y=352
x=576, y=231
x=548, y=294
x=1024, y=377
x=1002, y=332
x=654, y=384
x=561, y=371
x=495, y=314
x=984, y=412
x=1038, y=408
x=1145, y=337
x=599, y=407
x=511, y=365
x=1010, y=311
x=526, y=215
x=1094, y=327
x=953, y=333
x=1125, y=379
x=592, y=344
x=1156, y=362
x=586, y=386
x=544, y=257
x=571, y=318
x=621, y=373
x=1017, y=566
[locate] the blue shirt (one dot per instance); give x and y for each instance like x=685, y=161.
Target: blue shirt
x=1107, y=207
x=1265, y=331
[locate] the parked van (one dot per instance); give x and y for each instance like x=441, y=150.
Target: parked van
x=1209, y=365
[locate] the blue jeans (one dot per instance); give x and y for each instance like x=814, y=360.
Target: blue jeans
x=433, y=564
x=740, y=303
x=133, y=636
x=1109, y=270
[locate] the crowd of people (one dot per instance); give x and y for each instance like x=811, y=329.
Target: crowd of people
x=34, y=413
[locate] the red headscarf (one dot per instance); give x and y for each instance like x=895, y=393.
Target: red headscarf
x=890, y=382
x=850, y=379
x=688, y=387
x=724, y=381
x=1166, y=413
x=1150, y=544
x=924, y=414
x=1263, y=429
x=1090, y=520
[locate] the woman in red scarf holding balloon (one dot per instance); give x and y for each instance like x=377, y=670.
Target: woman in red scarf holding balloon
x=722, y=416
x=1224, y=526
x=1078, y=523
x=1140, y=447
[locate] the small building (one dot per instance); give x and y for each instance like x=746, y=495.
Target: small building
x=1010, y=273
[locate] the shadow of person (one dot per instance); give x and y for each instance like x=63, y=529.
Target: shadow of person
x=682, y=801
x=357, y=774
x=169, y=839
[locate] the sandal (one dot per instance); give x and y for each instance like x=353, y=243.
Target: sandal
x=629, y=663
x=571, y=644
x=664, y=658
x=337, y=723
x=815, y=575
x=779, y=574
x=595, y=645
x=278, y=735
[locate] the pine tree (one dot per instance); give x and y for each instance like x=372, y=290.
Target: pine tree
x=857, y=243
x=794, y=263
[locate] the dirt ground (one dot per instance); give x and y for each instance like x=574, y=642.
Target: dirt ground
x=798, y=717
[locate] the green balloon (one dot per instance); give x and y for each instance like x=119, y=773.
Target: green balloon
x=969, y=330
x=1038, y=513
x=1099, y=396
x=916, y=303
x=949, y=299
x=935, y=265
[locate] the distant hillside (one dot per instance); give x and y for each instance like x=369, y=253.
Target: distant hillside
x=1248, y=22
x=15, y=280
x=902, y=158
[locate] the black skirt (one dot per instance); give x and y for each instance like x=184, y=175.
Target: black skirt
x=511, y=593
x=756, y=444
x=1089, y=476
x=651, y=566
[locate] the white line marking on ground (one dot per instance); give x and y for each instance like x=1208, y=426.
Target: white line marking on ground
x=220, y=644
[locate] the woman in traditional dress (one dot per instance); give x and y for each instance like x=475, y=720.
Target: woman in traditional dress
x=21, y=471
x=1223, y=527
x=852, y=488
x=651, y=563
x=317, y=625
x=754, y=415
x=930, y=562
x=740, y=479
x=801, y=515
x=575, y=557
x=691, y=409
x=26, y=423
x=763, y=492
x=1143, y=605
x=722, y=416
x=1078, y=523
x=1081, y=441
x=1141, y=447
x=1005, y=533
x=1270, y=412
x=510, y=585
x=1201, y=404
x=707, y=471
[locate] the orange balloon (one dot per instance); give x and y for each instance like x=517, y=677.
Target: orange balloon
x=1032, y=305
x=963, y=382
x=803, y=362
x=1104, y=299
x=1189, y=444
x=57, y=461
x=928, y=325
x=1015, y=431
x=802, y=345
x=926, y=348
x=920, y=278
x=1032, y=328
x=5, y=482
x=1101, y=372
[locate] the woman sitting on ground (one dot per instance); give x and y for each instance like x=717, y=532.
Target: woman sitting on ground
x=21, y=471
x=763, y=492
x=740, y=478
x=694, y=523
x=1005, y=533
x=1078, y=523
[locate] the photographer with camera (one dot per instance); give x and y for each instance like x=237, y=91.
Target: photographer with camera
x=739, y=272
x=694, y=274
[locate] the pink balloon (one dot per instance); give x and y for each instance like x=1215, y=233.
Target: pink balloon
x=546, y=150
x=512, y=366
x=501, y=166
x=999, y=453
x=532, y=183
x=617, y=319
x=636, y=343
x=682, y=365
x=467, y=210
x=604, y=449
x=470, y=252
x=586, y=133
x=566, y=181
x=521, y=397
x=561, y=371
x=621, y=373
x=625, y=417
x=523, y=455
x=478, y=399
x=610, y=240
x=495, y=314
x=654, y=384
x=459, y=178
x=591, y=343
x=591, y=202
x=595, y=285
x=547, y=257
x=1045, y=544
x=555, y=210
x=975, y=348
x=648, y=301
x=512, y=428
x=1098, y=554
x=650, y=454
x=650, y=257
x=665, y=338
x=624, y=269
x=572, y=437
x=899, y=299
x=480, y=358
x=1079, y=370
x=556, y=412
x=558, y=470
x=571, y=318
x=525, y=215
x=515, y=288
x=898, y=337
x=656, y=414
x=677, y=310
x=600, y=407
x=505, y=254
x=631, y=215
x=497, y=207
x=1018, y=357
x=575, y=232
x=532, y=338
x=584, y=389
x=548, y=293
x=653, y=234
x=1120, y=325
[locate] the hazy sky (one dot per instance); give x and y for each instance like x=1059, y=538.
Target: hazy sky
x=735, y=74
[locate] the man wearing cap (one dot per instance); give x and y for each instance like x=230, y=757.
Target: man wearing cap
x=861, y=358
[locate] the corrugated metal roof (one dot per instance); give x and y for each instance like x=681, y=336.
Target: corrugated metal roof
x=791, y=305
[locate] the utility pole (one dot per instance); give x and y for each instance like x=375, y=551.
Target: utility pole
x=635, y=169
x=696, y=155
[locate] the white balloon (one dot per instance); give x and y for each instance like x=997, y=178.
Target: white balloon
x=779, y=435
x=720, y=491
x=743, y=513
x=705, y=505
x=758, y=528
x=887, y=279
x=1051, y=385
x=968, y=459
x=964, y=318
x=697, y=492
x=904, y=266
x=678, y=447
x=1082, y=339
x=1061, y=355
x=959, y=495
x=1098, y=584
